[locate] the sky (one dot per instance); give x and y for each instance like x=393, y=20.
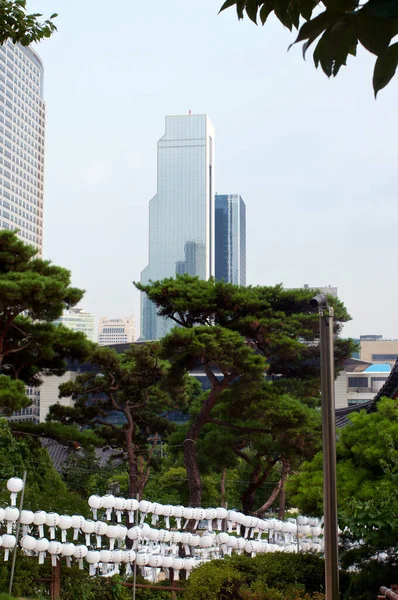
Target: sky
x=314, y=159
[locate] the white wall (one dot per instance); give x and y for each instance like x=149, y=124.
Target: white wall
x=49, y=392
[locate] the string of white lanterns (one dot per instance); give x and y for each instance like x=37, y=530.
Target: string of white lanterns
x=155, y=545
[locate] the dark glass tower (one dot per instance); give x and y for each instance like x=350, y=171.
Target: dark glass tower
x=230, y=239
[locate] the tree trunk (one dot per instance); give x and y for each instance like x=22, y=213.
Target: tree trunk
x=190, y=457
x=270, y=500
x=193, y=474
x=222, y=487
x=282, y=501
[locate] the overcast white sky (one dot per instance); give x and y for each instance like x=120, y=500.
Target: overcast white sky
x=314, y=159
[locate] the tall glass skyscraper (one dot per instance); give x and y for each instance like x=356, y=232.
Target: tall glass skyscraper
x=22, y=123
x=181, y=215
x=230, y=239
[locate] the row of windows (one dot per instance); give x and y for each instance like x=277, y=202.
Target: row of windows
x=363, y=382
x=355, y=401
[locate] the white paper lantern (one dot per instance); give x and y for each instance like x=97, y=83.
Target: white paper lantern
x=11, y=516
x=153, y=535
x=3, y=514
x=221, y=514
x=128, y=559
x=177, y=564
x=14, y=485
x=95, y=502
x=188, y=513
x=185, y=539
x=164, y=535
x=240, y=544
x=120, y=506
x=199, y=515
x=316, y=531
x=108, y=502
x=8, y=542
x=39, y=519
x=100, y=529
x=167, y=561
x=302, y=520
x=145, y=508
x=117, y=558
x=210, y=515
x=65, y=523
x=131, y=507
x=304, y=530
x=168, y=511
x=77, y=524
x=105, y=559
x=222, y=539
x=88, y=529
x=231, y=544
x=54, y=548
x=80, y=553
x=52, y=521
x=26, y=519
x=68, y=550
x=93, y=558
x=42, y=545
x=122, y=532
x=134, y=533
x=145, y=529
x=155, y=560
x=156, y=511
x=178, y=513
x=189, y=564
x=28, y=542
x=142, y=558
x=112, y=533
x=232, y=516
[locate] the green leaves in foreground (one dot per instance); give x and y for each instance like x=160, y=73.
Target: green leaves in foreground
x=17, y=25
x=337, y=30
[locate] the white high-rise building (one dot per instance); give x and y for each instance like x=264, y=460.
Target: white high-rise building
x=22, y=124
x=182, y=214
x=116, y=331
x=79, y=320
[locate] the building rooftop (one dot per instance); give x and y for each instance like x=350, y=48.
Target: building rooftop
x=382, y=368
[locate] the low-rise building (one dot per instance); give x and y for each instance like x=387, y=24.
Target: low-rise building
x=359, y=382
x=116, y=331
x=79, y=320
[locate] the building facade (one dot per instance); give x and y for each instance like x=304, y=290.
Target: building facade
x=22, y=125
x=116, y=331
x=181, y=215
x=230, y=239
x=79, y=320
x=359, y=382
x=375, y=349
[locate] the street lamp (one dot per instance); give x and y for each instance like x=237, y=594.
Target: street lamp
x=329, y=446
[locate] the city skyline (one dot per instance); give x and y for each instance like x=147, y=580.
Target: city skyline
x=321, y=186
x=181, y=214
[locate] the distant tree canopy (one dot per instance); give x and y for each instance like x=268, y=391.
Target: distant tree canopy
x=20, y=26
x=338, y=27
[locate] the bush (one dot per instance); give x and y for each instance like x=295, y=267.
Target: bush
x=276, y=576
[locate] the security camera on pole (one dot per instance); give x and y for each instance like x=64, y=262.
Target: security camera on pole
x=329, y=446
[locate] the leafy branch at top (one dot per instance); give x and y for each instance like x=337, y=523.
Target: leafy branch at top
x=337, y=29
x=19, y=26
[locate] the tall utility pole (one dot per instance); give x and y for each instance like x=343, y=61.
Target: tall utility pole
x=329, y=447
